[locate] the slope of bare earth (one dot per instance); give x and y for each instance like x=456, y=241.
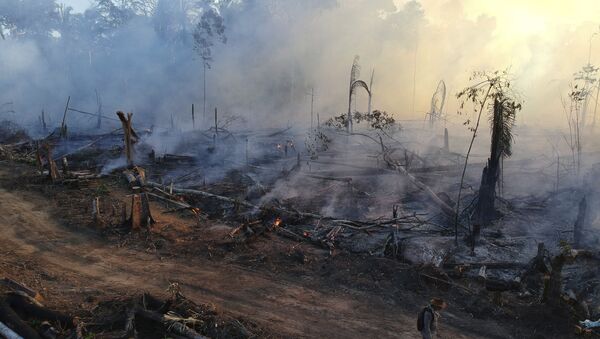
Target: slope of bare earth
x=76, y=268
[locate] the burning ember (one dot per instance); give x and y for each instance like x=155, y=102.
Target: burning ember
x=277, y=222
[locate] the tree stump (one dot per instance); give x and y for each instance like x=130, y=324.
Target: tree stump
x=96, y=216
x=140, y=212
x=136, y=212
x=52, y=168
x=65, y=166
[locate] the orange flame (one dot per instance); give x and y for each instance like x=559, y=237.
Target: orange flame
x=277, y=222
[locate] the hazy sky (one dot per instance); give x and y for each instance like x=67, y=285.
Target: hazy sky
x=543, y=42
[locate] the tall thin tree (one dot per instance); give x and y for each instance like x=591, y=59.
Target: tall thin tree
x=494, y=87
x=210, y=28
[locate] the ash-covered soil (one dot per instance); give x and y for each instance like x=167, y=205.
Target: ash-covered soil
x=276, y=286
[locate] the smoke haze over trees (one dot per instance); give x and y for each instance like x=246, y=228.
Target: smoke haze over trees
x=139, y=55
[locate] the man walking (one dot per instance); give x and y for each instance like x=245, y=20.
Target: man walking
x=427, y=322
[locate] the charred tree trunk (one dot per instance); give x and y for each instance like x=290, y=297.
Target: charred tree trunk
x=44, y=127
x=446, y=142
x=193, y=118
x=52, y=168
x=99, y=120
x=349, y=116
x=38, y=158
x=580, y=224
x=553, y=282
x=129, y=135
x=63, y=126
x=485, y=211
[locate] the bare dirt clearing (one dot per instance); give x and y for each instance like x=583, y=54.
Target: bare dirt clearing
x=289, y=308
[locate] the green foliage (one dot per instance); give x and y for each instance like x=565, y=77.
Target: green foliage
x=338, y=122
x=577, y=94
x=506, y=121
x=490, y=89
x=317, y=141
x=565, y=246
x=380, y=120
x=209, y=28
x=377, y=120
x=102, y=190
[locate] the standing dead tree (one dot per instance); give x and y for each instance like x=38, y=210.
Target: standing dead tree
x=209, y=28
x=587, y=79
x=129, y=135
x=354, y=74
x=495, y=88
x=359, y=83
x=354, y=84
x=577, y=97
x=503, y=119
x=437, y=103
x=53, y=172
x=63, y=125
x=580, y=224
x=99, y=111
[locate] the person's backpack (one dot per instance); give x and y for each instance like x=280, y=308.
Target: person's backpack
x=421, y=318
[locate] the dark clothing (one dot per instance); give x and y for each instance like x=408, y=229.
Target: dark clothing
x=430, y=320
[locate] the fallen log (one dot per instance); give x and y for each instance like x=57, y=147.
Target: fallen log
x=342, y=179
x=241, y=202
x=8, y=333
x=30, y=308
x=15, y=286
x=179, y=204
x=87, y=145
x=492, y=265
x=358, y=225
x=400, y=169
x=279, y=132
x=174, y=326
x=498, y=285
x=432, y=195
x=14, y=322
x=177, y=158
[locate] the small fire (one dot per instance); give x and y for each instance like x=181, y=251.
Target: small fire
x=196, y=211
x=277, y=222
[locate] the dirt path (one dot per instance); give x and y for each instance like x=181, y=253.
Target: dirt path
x=286, y=307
